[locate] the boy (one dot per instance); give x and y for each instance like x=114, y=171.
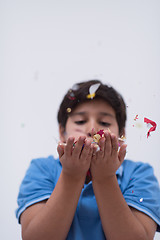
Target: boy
x=90, y=192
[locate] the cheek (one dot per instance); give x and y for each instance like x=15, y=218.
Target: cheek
x=115, y=130
x=76, y=134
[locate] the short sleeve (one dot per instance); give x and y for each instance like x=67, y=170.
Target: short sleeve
x=37, y=185
x=142, y=191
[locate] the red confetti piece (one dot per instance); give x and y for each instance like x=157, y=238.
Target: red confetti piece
x=71, y=95
x=153, y=128
x=100, y=132
x=71, y=98
x=136, y=117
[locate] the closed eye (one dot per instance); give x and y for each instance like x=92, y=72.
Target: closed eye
x=105, y=124
x=80, y=122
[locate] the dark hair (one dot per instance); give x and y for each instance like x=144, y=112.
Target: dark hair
x=78, y=94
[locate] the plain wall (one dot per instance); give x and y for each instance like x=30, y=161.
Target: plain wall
x=46, y=47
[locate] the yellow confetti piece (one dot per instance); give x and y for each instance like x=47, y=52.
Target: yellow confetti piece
x=109, y=130
x=122, y=138
x=96, y=138
x=91, y=96
x=69, y=110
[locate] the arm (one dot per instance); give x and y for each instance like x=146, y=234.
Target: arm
x=118, y=220
x=52, y=219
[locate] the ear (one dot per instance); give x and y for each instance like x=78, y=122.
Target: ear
x=62, y=133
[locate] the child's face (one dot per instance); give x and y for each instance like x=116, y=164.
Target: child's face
x=88, y=118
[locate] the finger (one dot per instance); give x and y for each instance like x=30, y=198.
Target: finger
x=89, y=155
x=78, y=146
x=122, y=152
x=90, y=152
x=86, y=149
x=114, y=141
x=60, y=150
x=69, y=146
x=94, y=152
x=100, y=152
x=108, y=145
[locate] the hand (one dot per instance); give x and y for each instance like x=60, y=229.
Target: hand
x=108, y=159
x=75, y=160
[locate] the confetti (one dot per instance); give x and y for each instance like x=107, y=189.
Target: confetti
x=71, y=95
x=109, y=130
x=69, y=110
x=98, y=136
x=122, y=138
x=136, y=117
x=92, y=90
x=153, y=124
x=91, y=96
x=75, y=87
x=138, y=123
x=101, y=132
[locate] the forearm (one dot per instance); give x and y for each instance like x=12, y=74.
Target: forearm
x=117, y=219
x=55, y=218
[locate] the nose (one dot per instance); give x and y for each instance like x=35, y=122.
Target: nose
x=91, y=132
x=92, y=128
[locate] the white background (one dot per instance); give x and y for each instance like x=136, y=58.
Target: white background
x=46, y=47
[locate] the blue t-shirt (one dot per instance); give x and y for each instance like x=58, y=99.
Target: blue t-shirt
x=136, y=180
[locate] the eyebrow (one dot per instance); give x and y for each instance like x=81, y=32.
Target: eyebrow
x=100, y=113
x=106, y=114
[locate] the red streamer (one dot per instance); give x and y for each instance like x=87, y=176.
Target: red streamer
x=153, y=128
